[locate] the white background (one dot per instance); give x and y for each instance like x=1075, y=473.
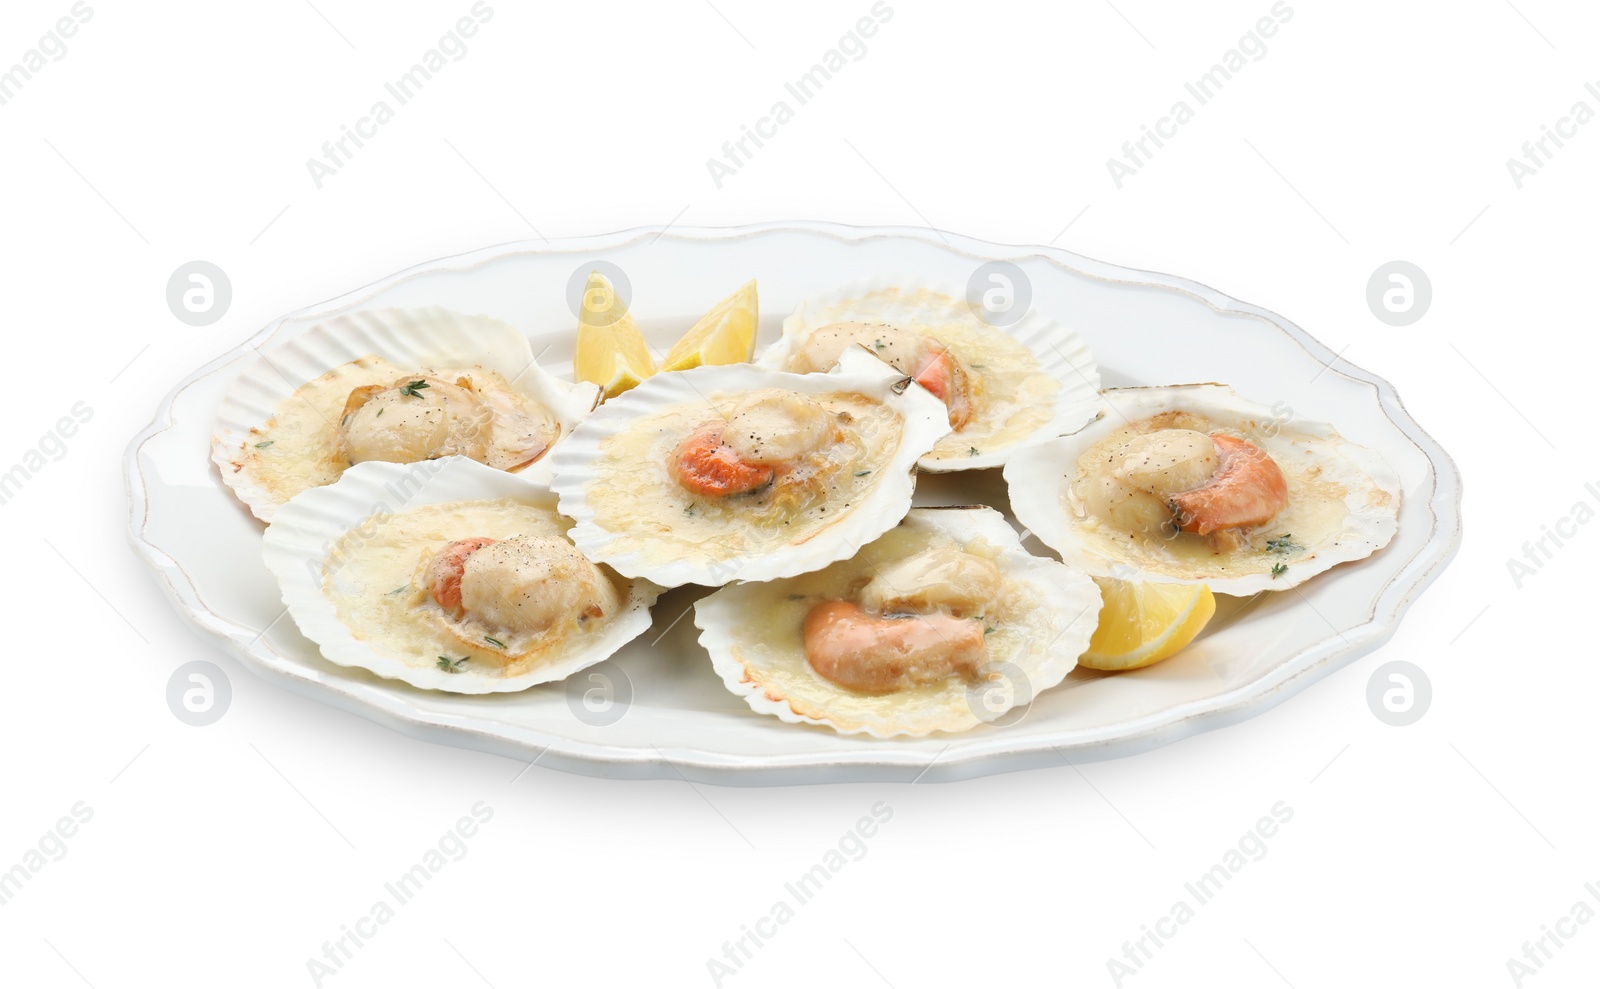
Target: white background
x=1369, y=132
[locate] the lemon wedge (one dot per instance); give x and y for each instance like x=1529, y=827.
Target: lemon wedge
x=611, y=351
x=725, y=335
x=1142, y=623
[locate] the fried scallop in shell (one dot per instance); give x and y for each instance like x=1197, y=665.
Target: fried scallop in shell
x=448, y=575
x=392, y=385
x=943, y=623
x=736, y=472
x=1004, y=385
x=1192, y=484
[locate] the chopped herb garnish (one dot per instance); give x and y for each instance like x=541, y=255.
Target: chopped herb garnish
x=264, y=444
x=988, y=629
x=879, y=344
x=397, y=590
x=379, y=415
x=452, y=665
x=1278, y=570
x=1283, y=544
x=863, y=473
x=976, y=367
x=797, y=597
x=414, y=388
x=972, y=451
x=688, y=509
x=494, y=642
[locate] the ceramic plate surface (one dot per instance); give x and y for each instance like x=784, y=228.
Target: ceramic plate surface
x=676, y=719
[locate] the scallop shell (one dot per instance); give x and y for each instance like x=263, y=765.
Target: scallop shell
x=1038, y=484
x=924, y=421
x=306, y=528
x=1067, y=599
x=408, y=338
x=1060, y=350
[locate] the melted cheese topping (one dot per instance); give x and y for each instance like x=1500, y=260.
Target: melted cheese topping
x=820, y=352
x=775, y=429
x=521, y=590
x=1012, y=395
x=376, y=577
x=424, y=419
x=1103, y=501
x=772, y=648
x=634, y=493
x=316, y=433
x=941, y=577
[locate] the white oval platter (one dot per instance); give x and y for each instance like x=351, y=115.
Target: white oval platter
x=678, y=721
